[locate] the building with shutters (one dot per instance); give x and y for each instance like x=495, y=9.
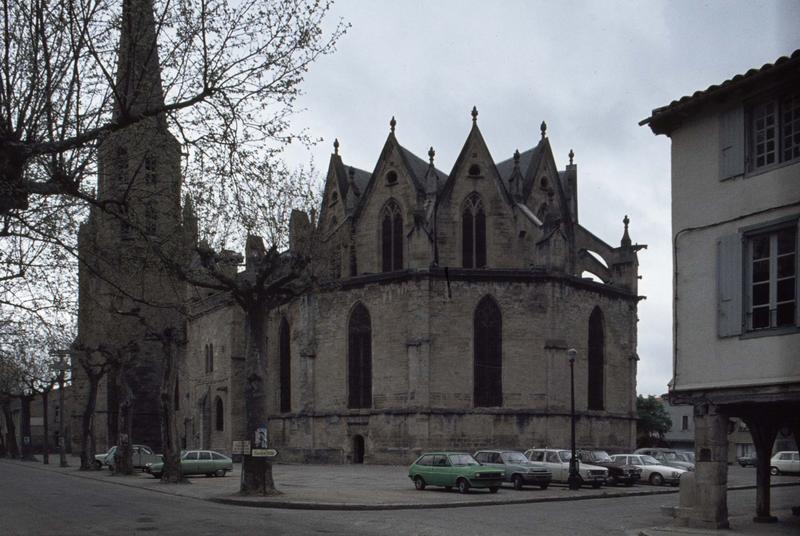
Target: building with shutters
x=444, y=308
x=735, y=218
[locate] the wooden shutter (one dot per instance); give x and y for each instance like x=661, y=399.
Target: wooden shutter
x=731, y=143
x=729, y=285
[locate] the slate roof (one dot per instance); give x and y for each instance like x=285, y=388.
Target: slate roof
x=506, y=167
x=661, y=120
x=419, y=168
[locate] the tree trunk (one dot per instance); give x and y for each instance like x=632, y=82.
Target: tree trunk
x=11, y=432
x=25, y=428
x=169, y=430
x=256, y=471
x=123, y=456
x=46, y=442
x=87, y=425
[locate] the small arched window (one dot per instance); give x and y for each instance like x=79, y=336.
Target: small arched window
x=473, y=233
x=488, y=348
x=359, y=358
x=543, y=183
x=595, y=395
x=391, y=177
x=219, y=415
x=391, y=237
x=285, y=366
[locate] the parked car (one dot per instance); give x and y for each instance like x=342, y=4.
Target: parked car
x=686, y=456
x=196, y=462
x=653, y=471
x=141, y=456
x=618, y=473
x=451, y=469
x=787, y=461
x=744, y=461
x=667, y=457
x=557, y=461
x=516, y=467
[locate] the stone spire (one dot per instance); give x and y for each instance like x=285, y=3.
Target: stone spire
x=138, y=84
x=515, y=181
x=474, y=114
x=543, y=128
x=626, y=238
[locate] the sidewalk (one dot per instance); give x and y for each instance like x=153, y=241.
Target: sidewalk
x=361, y=487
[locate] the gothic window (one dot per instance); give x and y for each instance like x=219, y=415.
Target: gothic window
x=488, y=344
x=150, y=219
x=206, y=356
x=391, y=177
x=211, y=357
x=596, y=360
x=392, y=237
x=285, y=367
x=177, y=402
x=122, y=165
x=473, y=233
x=359, y=359
x=220, y=416
x=150, y=168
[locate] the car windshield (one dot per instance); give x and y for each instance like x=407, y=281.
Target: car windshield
x=600, y=456
x=671, y=456
x=462, y=459
x=514, y=457
x=565, y=455
x=649, y=460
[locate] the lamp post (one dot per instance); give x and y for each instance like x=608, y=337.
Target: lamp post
x=574, y=479
x=61, y=366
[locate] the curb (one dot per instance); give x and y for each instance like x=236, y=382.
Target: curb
x=259, y=502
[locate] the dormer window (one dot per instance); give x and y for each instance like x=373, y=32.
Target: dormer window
x=391, y=177
x=474, y=170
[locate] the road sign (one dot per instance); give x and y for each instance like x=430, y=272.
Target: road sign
x=264, y=453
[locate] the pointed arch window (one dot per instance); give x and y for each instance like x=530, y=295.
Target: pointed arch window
x=219, y=415
x=392, y=237
x=121, y=158
x=359, y=359
x=285, y=366
x=595, y=395
x=473, y=232
x=488, y=345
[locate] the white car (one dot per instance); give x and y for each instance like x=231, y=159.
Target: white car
x=787, y=461
x=557, y=460
x=653, y=471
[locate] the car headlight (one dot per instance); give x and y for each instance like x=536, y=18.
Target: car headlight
x=676, y=474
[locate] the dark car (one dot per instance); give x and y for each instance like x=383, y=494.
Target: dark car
x=618, y=473
x=744, y=461
x=518, y=469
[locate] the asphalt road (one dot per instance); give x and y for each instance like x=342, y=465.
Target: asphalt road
x=39, y=502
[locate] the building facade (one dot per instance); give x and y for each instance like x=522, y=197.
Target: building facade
x=442, y=316
x=735, y=217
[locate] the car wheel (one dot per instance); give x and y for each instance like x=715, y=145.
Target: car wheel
x=612, y=481
x=220, y=472
x=596, y=485
x=419, y=483
x=493, y=489
x=518, y=482
x=157, y=475
x=743, y=464
x=544, y=486
x=97, y=465
x=656, y=479
x=463, y=485
x=774, y=471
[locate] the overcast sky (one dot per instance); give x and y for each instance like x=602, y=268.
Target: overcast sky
x=591, y=70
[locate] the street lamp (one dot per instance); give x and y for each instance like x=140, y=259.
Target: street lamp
x=61, y=367
x=574, y=479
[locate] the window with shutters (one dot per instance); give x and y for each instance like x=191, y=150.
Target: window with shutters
x=595, y=398
x=774, y=131
x=473, y=233
x=285, y=366
x=391, y=237
x=359, y=358
x=771, y=278
x=488, y=348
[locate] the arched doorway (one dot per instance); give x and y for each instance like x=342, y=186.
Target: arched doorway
x=358, y=449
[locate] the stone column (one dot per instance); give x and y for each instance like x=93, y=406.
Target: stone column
x=710, y=509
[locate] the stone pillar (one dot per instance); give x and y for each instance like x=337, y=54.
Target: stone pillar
x=710, y=508
x=763, y=429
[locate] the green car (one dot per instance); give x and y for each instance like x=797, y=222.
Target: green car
x=451, y=469
x=196, y=462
